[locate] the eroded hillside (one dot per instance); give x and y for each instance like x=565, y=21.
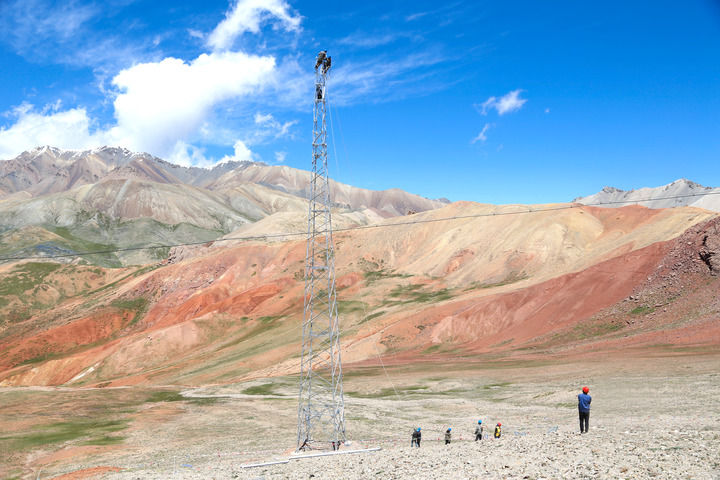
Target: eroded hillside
x=492, y=284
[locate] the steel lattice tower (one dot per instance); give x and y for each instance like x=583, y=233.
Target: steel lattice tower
x=321, y=407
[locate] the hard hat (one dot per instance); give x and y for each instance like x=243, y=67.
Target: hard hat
x=419, y=429
x=499, y=424
x=479, y=421
x=449, y=429
x=586, y=389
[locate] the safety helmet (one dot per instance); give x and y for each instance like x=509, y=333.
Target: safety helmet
x=418, y=429
x=479, y=421
x=449, y=429
x=499, y=424
x=586, y=389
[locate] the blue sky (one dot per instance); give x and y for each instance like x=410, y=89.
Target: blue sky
x=497, y=102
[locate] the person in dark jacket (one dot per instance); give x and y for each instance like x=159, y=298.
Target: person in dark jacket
x=416, y=436
x=584, y=409
x=321, y=59
x=478, y=431
x=448, y=436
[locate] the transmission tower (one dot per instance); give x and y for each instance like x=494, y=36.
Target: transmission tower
x=321, y=407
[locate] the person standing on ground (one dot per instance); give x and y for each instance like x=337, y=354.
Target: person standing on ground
x=478, y=431
x=498, y=430
x=448, y=436
x=416, y=435
x=584, y=409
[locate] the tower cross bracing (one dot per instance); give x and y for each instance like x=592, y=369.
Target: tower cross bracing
x=321, y=407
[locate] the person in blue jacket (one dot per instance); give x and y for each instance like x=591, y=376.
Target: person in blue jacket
x=584, y=409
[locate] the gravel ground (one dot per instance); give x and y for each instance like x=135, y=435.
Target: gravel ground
x=689, y=454
x=641, y=426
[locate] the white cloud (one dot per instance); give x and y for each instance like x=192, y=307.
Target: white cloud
x=68, y=129
x=61, y=32
x=188, y=155
x=280, y=157
x=509, y=102
x=366, y=40
x=246, y=16
x=482, y=136
x=415, y=16
x=270, y=127
x=195, y=33
x=241, y=153
x=399, y=78
x=261, y=119
x=167, y=102
x=29, y=24
x=163, y=107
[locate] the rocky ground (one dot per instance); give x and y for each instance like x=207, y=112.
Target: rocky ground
x=651, y=418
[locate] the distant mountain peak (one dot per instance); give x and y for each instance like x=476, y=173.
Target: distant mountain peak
x=690, y=184
x=679, y=193
x=44, y=149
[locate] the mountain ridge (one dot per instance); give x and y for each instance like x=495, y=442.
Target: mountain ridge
x=98, y=194
x=682, y=193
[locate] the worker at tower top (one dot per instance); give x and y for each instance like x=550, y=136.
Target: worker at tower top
x=320, y=58
x=328, y=63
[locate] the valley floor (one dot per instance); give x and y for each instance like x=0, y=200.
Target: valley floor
x=651, y=418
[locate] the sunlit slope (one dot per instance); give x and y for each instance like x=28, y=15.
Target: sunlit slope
x=110, y=198
x=456, y=280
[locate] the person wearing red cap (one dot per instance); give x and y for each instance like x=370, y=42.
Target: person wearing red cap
x=584, y=409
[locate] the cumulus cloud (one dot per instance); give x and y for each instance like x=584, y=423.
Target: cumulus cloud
x=482, y=136
x=68, y=129
x=188, y=155
x=247, y=16
x=167, y=102
x=510, y=102
x=159, y=107
x=280, y=157
x=162, y=107
x=241, y=153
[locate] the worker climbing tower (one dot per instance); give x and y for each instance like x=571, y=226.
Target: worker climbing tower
x=321, y=407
